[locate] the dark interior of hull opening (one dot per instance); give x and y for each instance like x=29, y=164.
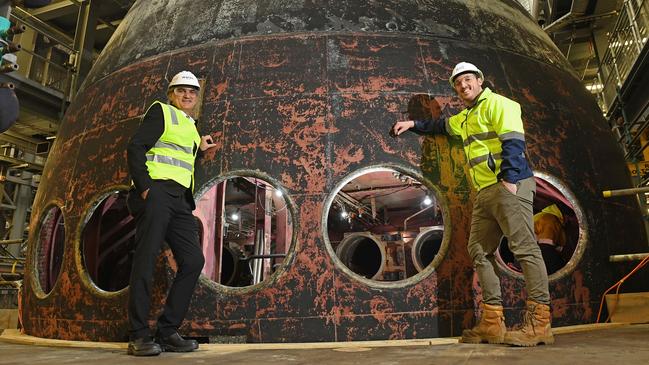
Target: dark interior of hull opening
x=393, y=208
x=557, y=256
x=427, y=246
x=246, y=230
x=108, y=243
x=51, y=241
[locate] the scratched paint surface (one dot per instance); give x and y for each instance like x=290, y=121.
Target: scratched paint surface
x=305, y=92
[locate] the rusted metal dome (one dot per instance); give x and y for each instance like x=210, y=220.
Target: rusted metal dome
x=301, y=94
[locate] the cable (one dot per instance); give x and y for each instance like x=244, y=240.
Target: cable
x=617, y=286
x=382, y=195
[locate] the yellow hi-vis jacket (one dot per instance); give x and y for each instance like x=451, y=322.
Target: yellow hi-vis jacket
x=172, y=157
x=483, y=127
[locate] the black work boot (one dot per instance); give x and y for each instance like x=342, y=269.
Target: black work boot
x=143, y=346
x=175, y=343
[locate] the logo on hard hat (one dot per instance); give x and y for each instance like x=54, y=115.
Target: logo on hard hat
x=185, y=78
x=462, y=68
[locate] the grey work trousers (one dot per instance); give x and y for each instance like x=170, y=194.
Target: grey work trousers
x=498, y=212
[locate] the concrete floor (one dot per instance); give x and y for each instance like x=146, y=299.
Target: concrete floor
x=612, y=345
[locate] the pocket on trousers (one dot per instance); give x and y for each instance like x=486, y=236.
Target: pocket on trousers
x=506, y=191
x=526, y=190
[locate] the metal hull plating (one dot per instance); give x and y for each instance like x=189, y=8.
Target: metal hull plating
x=307, y=102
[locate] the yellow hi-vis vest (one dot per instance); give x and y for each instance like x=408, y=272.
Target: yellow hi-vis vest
x=172, y=157
x=493, y=119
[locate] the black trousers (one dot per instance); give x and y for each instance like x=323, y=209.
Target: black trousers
x=163, y=216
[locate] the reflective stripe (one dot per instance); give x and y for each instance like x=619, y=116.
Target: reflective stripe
x=174, y=117
x=475, y=161
x=175, y=147
x=170, y=161
x=512, y=135
x=480, y=137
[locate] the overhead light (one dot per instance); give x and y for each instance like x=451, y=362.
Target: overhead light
x=344, y=214
x=595, y=87
x=428, y=200
x=49, y=138
x=278, y=193
x=235, y=216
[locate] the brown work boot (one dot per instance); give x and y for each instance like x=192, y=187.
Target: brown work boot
x=491, y=327
x=535, y=329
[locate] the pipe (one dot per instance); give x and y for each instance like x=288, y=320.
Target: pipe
x=269, y=256
x=426, y=246
x=10, y=47
x=11, y=242
x=15, y=284
x=629, y=257
x=16, y=29
x=11, y=258
x=7, y=85
x=539, y=11
x=623, y=192
x=364, y=254
x=8, y=67
x=258, y=265
x=412, y=216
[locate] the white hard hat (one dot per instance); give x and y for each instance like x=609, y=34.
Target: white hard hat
x=464, y=67
x=185, y=78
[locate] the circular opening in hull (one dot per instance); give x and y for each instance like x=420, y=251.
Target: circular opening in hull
x=557, y=225
x=108, y=243
x=246, y=230
x=363, y=254
x=372, y=221
x=50, y=247
x=426, y=246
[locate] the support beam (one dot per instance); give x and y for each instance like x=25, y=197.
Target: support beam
x=284, y=231
x=27, y=41
x=268, y=224
x=23, y=202
x=9, y=137
x=84, y=41
x=577, y=10
x=17, y=180
x=218, y=230
x=108, y=25
x=54, y=33
x=55, y=10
